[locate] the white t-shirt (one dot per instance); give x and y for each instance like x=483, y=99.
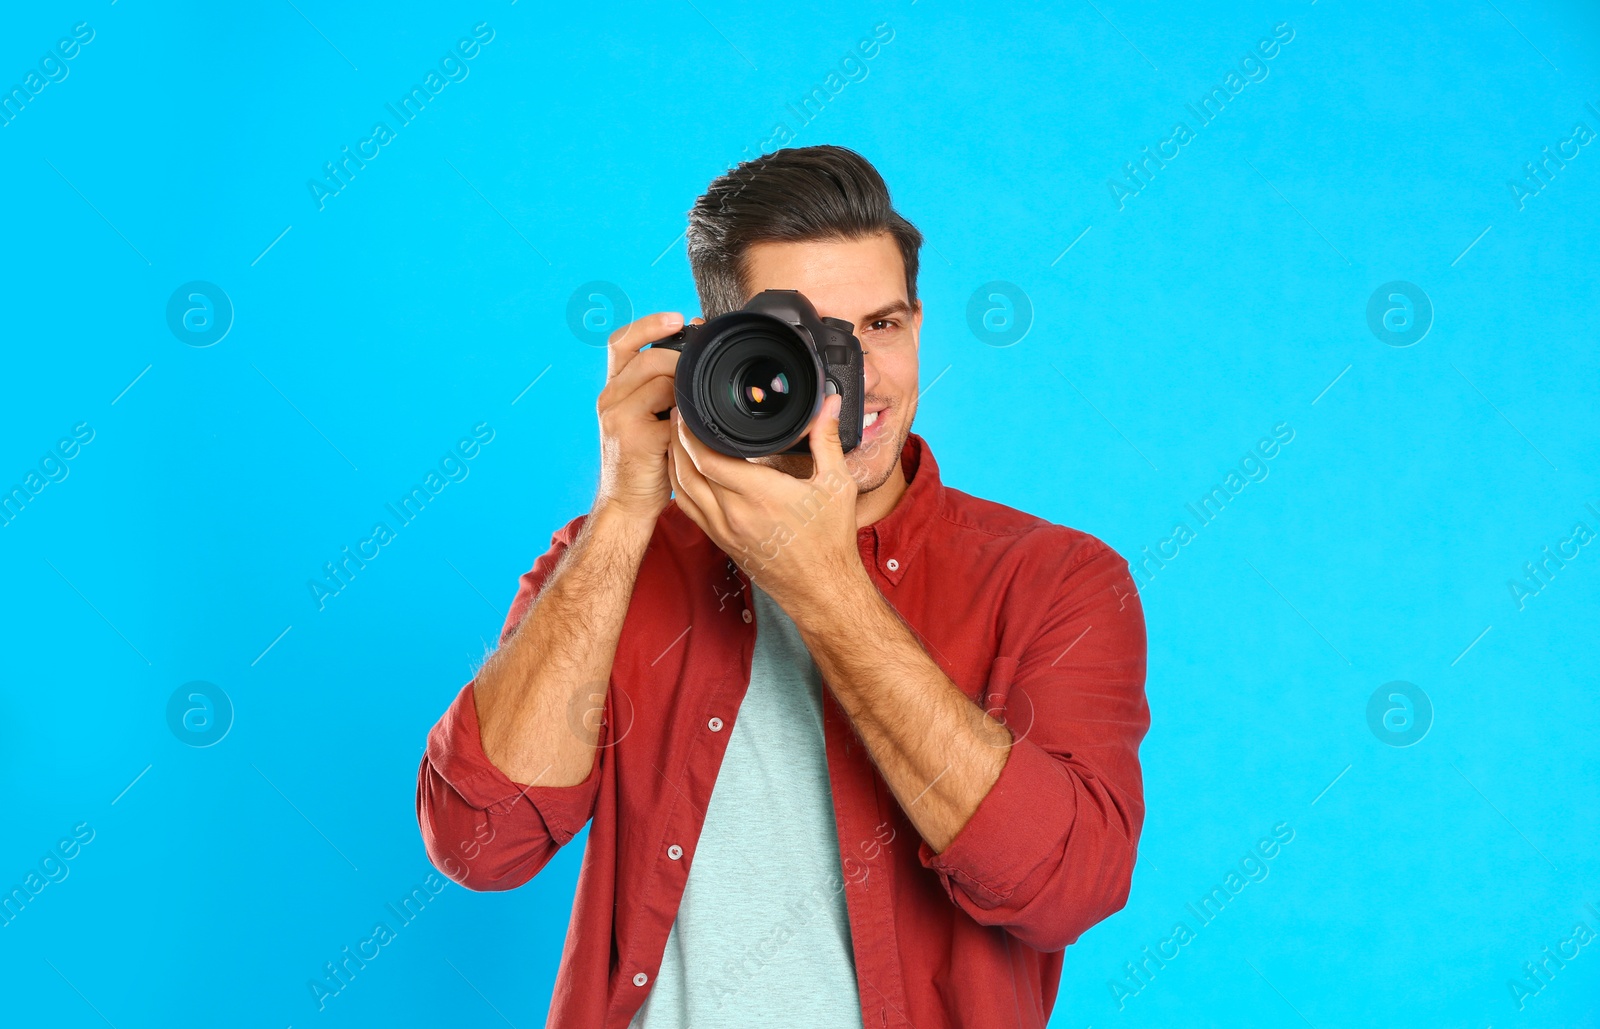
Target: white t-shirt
x=762, y=936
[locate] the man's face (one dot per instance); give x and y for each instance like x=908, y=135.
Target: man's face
x=862, y=281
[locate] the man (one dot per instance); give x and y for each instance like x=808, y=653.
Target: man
x=858, y=749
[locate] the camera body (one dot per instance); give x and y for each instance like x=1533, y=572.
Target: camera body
x=750, y=382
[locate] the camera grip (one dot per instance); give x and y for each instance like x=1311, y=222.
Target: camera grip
x=676, y=342
x=844, y=365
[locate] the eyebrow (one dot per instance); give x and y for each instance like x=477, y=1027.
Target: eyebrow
x=898, y=307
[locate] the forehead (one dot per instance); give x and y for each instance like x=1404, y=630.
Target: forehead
x=846, y=277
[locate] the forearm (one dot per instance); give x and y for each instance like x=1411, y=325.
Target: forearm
x=540, y=694
x=938, y=751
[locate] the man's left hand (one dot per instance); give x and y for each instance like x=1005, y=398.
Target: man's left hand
x=794, y=537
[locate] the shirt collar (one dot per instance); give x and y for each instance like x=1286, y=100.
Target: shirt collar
x=894, y=541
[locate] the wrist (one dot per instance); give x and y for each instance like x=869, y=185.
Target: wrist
x=614, y=522
x=836, y=601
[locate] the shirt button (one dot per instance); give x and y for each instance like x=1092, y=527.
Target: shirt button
x=640, y=979
x=745, y=614
x=674, y=852
x=892, y=565
x=715, y=725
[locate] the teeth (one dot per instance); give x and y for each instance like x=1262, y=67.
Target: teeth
x=871, y=417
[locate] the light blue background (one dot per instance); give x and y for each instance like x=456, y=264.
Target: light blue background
x=373, y=334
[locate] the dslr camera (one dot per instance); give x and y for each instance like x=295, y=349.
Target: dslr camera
x=750, y=382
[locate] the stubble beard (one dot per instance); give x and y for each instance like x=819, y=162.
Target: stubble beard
x=800, y=466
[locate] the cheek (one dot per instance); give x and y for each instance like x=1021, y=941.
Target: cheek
x=894, y=373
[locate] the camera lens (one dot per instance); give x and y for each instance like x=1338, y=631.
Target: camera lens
x=749, y=382
x=757, y=385
x=761, y=388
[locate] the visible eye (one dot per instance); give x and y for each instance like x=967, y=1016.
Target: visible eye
x=883, y=325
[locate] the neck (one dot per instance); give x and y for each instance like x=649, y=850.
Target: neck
x=875, y=505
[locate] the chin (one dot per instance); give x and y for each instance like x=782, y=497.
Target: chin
x=870, y=477
x=873, y=470
x=869, y=471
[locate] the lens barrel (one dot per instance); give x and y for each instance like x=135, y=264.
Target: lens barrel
x=750, y=382
x=757, y=384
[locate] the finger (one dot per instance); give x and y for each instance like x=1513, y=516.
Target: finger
x=653, y=395
x=730, y=474
x=624, y=343
x=634, y=421
x=702, y=492
x=827, y=453
x=639, y=410
x=641, y=369
x=643, y=366
x=681, y=497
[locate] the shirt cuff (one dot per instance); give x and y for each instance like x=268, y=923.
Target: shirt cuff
x=1019, y=827
x=455, y=749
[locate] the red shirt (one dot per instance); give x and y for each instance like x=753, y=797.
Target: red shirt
x=1039, y=623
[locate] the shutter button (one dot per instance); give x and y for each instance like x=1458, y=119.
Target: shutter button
x=640, y=979
x=674, y=852
x=892, y=564
x=715, y=725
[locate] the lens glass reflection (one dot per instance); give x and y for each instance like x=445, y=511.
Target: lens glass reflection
x=761, y=389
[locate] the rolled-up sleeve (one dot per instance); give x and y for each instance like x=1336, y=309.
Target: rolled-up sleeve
x=479, y=827
x=1050, y=849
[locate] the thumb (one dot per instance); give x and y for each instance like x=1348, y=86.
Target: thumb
x=826, y=450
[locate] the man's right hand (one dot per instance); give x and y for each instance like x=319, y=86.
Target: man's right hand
x=566, y=639
x=633, y=441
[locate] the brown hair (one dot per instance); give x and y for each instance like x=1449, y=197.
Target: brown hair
x=789, y=196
